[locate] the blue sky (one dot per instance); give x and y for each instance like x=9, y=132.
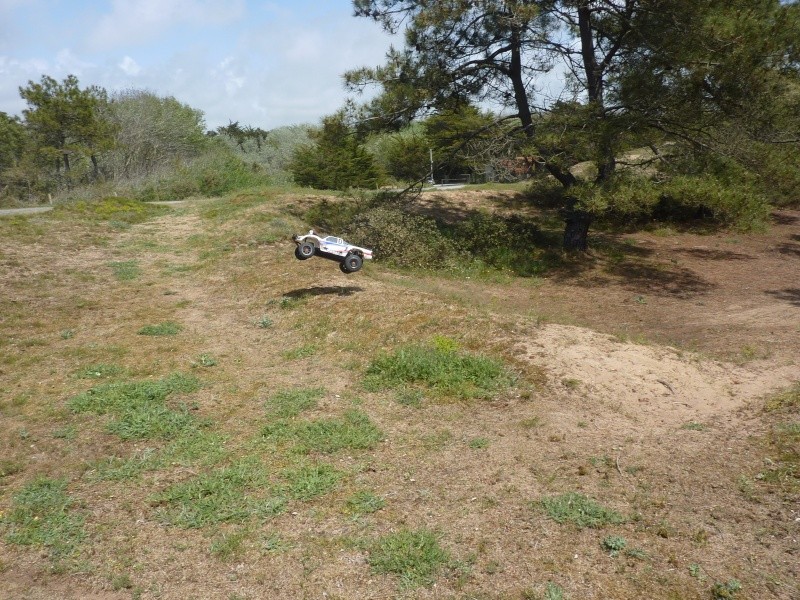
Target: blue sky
x=263, y=63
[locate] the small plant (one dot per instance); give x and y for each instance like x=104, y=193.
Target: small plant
x=127, y=270
x=205, y=361
x=479, y=443
x=303, y=351
x=693, y=426
x=364, y=503
x=228, y=545
x=726, y=591
x=121, y=582
x=65, y=433
x=67, y=334
x=614, y=544
x=274, y=543
x=553, y=592
x=264, y=322
x=789, y=398
x=579, y=510
x=409, y=396
x=165, y=328
x=414, y=556
x=571, y=384
x=100, y=371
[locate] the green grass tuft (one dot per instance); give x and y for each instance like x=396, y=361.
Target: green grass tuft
x=41, y=516
x=308, y=482
x=579, y=510
x=126, y=270
x=165, y=328
x=139, y=407
x=232, y=494
x=445, y=371
x=100, y=371
x=290, y=403
x=352, y=431
x=364, y=503
x=414, y=556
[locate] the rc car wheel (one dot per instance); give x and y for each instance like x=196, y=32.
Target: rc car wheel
x=343, y=268
x=353, y=262
x=304, y=251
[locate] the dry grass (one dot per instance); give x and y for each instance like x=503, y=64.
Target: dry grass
x=287, y=474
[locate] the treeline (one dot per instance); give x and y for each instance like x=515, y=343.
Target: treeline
x=74, y=141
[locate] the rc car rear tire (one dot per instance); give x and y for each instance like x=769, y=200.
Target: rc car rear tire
x=353, y=262
x=343, y=268
x=304, y=251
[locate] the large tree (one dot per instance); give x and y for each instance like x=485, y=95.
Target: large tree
x=67, y=122
x=688, y=70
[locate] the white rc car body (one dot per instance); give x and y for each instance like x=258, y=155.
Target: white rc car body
x=349, y=257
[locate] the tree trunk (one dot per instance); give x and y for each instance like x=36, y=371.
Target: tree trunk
x=576, y=231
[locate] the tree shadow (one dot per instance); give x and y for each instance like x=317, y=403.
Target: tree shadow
x=789, y=248
x=661, y=280
x=709, y=254
x=335, y=290
x=790, y=295
x=784, y=219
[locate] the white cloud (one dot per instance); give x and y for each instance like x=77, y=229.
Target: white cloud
x=130, y=66
x=139, y=22
x=68, y=62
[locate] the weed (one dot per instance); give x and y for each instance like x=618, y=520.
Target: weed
x=290, y=403
x=414, y=556
x=121, y=582
x=228, y=545
x=309, y=482
x=552, y=591
x=67, y=334
x=204, y=360
x=65, y=433
x=696, y=571
x=10, y=467
x=353, y=431
x=579, y=510
x=100, y=371
x=571, y=384
x=479, y=443
x=726, y=591
x=409, y=396
x=530, y=423
x=447, y=372
x=231, y=494
x=789, y=398
x=126, y=270
x=41, y=515
x=437, y=440
x=165, y=328
x=303, y=351
x=274, y=543
x=614, y=544
x=264, y=322
x=364, y=502
x=693, y=426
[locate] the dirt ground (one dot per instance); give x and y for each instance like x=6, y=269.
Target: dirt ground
x=644, y=369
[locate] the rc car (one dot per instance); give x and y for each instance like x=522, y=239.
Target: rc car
x=349, y=257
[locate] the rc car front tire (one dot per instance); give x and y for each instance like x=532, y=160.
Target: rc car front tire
x=353, y=263
x=343, y=268
x=304, y=251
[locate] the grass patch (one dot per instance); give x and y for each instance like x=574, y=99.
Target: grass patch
x=308, y=482
x=304, y=351
x=414, y=556
x=41, y=516
x=139, y=408
x=231, y=494
x=290, y=403
x=364, y=503
x=479, y=443
x=126, y=270
x=165, y=328
x=229, y=544
x=579, y=510
x=352, y=431
x=786, y=399
x=444, y=371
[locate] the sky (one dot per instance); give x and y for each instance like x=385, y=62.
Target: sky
x=261, y=63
